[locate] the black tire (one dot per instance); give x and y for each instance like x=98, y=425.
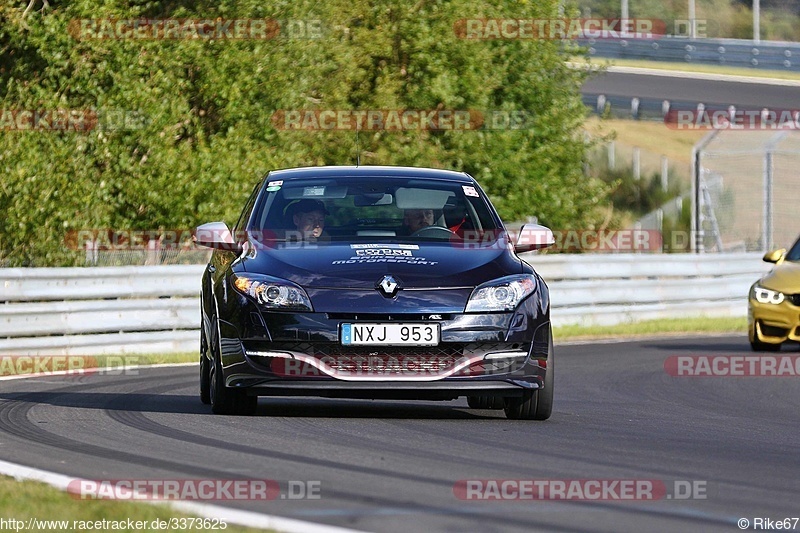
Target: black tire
x=485, y=402
x=757, y=345
x=535, y=404
x=224, y=400
x=205, y=371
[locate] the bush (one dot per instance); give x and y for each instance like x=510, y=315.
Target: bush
x=203, y=132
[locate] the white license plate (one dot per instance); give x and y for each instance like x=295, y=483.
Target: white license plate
x=409, y=334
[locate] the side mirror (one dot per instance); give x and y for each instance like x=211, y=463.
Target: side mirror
x=534, y=237
x=216, y=235
x=774, y=256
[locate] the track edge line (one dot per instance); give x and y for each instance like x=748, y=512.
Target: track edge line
x=204, y=510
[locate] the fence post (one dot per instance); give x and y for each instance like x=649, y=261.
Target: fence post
x=612, y=156
x=153, y=255
x=767, y=231
x=91, y=252
x=696, y=241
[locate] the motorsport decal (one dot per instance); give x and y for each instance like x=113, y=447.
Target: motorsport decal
x=384, y=253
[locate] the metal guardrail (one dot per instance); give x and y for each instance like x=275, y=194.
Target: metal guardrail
x=104, y=310
x=771, y=55
x=611, y=289
x=125, y=310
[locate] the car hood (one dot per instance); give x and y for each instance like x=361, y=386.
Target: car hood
x=361, y=266
x=784, y=278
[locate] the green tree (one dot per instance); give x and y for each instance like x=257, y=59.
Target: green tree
x=199, y=127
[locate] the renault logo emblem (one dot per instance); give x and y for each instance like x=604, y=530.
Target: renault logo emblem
x=389, y=286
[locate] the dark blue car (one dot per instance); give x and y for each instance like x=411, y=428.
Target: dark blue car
x=376, y=283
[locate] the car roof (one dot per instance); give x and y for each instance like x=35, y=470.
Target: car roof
x=369, y=171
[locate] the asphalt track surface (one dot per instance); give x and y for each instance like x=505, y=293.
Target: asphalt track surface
x=391, y=466
x=712, y=93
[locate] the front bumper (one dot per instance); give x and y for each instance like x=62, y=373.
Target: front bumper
x=388, y=390
x=773, y=323
x=501, y=354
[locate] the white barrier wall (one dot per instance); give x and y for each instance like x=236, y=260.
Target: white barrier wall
x=116, y=310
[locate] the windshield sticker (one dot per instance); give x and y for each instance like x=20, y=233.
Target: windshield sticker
x=360, y=260
x=384, y=253
x=276, y=183
x=470, y=191
x=273, y=188
x=387, y=246
x=314, y=191
x=372, y=252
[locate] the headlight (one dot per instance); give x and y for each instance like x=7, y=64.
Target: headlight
x=503, y=294
x=272, y=293
x=766, y=296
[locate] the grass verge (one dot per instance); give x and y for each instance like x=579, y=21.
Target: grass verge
x=148, y=359
x=30, y=500
x=651, y=136
x=648, y=328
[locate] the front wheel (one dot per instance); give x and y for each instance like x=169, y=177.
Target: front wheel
x=205, y=370
x=536, y=404
x=225, y=400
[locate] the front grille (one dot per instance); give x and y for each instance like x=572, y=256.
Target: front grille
x=386, y=360
x=773, y=331
x=375, y=317
x=795, y=299
x=453, y=350
x=391, y=365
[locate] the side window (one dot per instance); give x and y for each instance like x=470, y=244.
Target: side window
x=248, y=208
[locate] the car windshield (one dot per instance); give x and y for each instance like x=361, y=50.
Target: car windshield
x=794, y=253
x=365, y=208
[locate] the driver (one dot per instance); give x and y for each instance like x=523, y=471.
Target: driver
x=308, y=217
x=416, y=219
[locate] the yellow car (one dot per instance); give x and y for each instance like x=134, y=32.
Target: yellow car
x=774, y=305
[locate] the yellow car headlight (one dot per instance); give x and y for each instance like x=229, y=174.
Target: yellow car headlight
x=767, y=296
